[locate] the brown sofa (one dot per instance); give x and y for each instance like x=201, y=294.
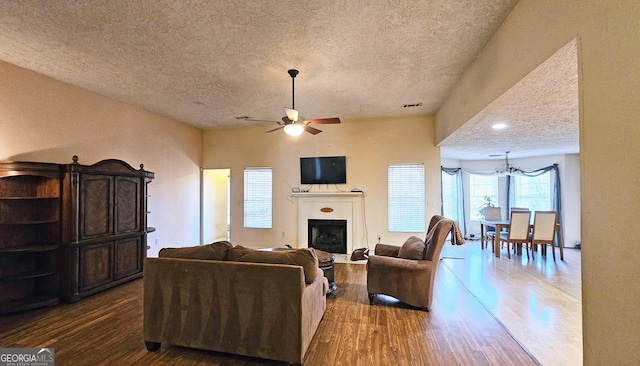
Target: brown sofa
x=408, y=272
x=230, y=303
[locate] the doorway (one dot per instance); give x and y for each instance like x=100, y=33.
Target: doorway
x=215, y=205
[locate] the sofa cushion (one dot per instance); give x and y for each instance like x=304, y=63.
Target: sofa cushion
x=305, y=257
x=413, y=248
x=214, y=251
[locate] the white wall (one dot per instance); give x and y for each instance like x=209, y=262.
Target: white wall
x=45, y=120
x=369, y=145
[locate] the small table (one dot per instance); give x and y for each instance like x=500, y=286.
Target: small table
x=326, y=263
x=498, y=225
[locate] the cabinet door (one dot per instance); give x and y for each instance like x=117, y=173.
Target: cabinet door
x=128, y=257
x=95, y=265
x=128, y=200
x=96, y=206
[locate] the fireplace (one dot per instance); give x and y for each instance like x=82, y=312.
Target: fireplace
x=343, y=206
x=328, y=235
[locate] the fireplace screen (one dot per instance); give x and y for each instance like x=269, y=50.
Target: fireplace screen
x=328, y=235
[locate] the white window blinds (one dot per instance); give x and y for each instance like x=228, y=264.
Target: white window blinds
x=406, y=198
x=257, y=198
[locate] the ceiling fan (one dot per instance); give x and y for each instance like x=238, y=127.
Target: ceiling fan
x=294, y=124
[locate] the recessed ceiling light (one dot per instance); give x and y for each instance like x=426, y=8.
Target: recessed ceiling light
x=499, y=126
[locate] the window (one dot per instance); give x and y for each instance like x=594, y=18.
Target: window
x=533, y=192
x=481, y=186
x=257, y=198
x=406, y=198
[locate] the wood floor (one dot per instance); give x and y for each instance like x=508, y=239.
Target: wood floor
x=538, y=300
x=106, y=329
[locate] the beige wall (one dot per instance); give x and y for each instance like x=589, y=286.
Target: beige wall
x=42, y=119
x=609, y=81
x=369, y=145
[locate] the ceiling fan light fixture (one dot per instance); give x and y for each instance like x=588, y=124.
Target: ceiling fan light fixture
x=292, y=114
x=293, y=129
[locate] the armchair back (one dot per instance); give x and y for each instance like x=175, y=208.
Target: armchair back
x=408, y=280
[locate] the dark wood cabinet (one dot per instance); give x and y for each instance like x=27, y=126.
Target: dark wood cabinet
x=104, y=226
x=69, y=231
x=30, y=238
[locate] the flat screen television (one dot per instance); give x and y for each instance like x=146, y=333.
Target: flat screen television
x=323, y=170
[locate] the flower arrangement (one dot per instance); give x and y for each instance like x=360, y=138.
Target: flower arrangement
x=487, y=203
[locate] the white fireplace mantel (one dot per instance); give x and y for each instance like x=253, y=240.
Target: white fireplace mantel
x=331, y=206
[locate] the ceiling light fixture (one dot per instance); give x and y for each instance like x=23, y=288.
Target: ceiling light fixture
x=293, y=129
x=507, y=168
x=499, y=126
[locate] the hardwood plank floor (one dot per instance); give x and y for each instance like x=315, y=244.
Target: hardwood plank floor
x=106, y=329
x=539, y=301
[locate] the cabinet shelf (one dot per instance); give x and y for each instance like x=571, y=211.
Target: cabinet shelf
x=27, y=276
x=16, y=198
x=28, y=303
x=30, y=249
x=30, y=223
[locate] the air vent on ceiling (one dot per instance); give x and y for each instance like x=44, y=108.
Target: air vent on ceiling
x=411, y=105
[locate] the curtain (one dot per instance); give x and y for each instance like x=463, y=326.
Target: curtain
x=556, y=199
x=556, y=194
x=459, y=203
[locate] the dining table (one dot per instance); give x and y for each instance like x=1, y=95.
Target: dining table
x=498, y=225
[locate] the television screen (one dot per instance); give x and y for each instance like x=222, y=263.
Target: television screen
x=323, y=170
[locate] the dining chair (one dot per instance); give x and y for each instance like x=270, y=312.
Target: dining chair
x=511, y=209
x=544, y=232
x=520, y=209
x=490, y=213
x=518, y=231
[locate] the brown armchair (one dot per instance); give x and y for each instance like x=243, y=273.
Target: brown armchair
x=408, y=272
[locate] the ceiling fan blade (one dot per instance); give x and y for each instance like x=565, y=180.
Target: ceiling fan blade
x=275, y=129
x=261, y=120
x=292, y=114
x=311, y=130
x=286, y=120
x=323, y=121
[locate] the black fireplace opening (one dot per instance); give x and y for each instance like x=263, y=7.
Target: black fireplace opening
x=328, y=235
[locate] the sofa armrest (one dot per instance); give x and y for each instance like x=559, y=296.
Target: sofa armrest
x=397, y=264
x=314, y=304
x=387, y=250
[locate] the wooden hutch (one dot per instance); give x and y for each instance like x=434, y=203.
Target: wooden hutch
x=69, y=231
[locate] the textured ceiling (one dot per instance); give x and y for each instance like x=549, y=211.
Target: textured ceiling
x=205, y=62
x=540, y=111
